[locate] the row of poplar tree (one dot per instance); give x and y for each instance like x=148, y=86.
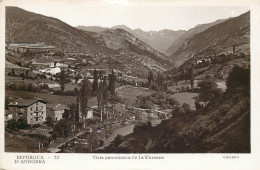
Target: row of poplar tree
x=104, y=92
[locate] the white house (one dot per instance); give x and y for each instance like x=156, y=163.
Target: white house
x=53, y=71
x=51, y=64
x=89, y=113
x=61, y=65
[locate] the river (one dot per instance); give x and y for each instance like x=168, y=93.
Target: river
x=82, y=139
x=126, y=130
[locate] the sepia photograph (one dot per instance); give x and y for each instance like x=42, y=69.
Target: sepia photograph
x=135, y=79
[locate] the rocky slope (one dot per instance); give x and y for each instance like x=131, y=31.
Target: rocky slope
x=234, y=31
x=159, y=40
x=27, y=27
x=188, y=34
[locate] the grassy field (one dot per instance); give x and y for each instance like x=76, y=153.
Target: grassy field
x=186, y=97
x=68, y=87
x=130, y=93
x=11, y=79
x=49, y=98
x=17, y=143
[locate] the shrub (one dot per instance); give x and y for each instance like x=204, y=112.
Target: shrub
x=148, y=105
x=43, y=76
x=173, y=101
x=49, y=121
x=208, y=88
x=186, y=107
x=14, y=125
x=142, y=127
x=239, y=78
x=62, y=128
x=224, y=109
x=118, y=140
x=36, y=126
x=57, y=92
x=154, y=86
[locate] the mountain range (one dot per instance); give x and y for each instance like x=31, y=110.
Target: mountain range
x=136, y=49
x=117, y=44
x=234, y=31
x=159, y=40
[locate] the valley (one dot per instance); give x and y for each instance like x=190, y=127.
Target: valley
x=93, y=89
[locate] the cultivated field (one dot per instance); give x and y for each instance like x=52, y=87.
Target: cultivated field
x=130, y=93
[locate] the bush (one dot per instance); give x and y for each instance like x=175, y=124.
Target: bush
x=36, y=126
x=173, y=101
x=186, y=107
x=154, y=86
x=148, y=105
x=57, y=92
x=118, y=140
x=208, y=89
x=49, y=121
x=142, y=127
x=239, y=78
x=62, y=128
x=14, y=125
x=43, y=76
x=223, y=110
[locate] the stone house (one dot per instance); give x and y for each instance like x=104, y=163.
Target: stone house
x=56, y=111
x=33, y=111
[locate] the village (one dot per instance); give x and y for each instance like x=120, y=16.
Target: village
x=70, y=102
x=72, y=91
x=36, y=100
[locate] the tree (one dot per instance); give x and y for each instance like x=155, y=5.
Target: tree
x=191, y=77
x=13, y=73
x=239, y=78
x=77, y=116
x=30, y=87
x=72, y=113
x=100, y=100
x=17, y=125
x=150, y=78
x=62, y=81
x=112, y=82
x=84, y=99
x=186, y=107
x=113, y=101
x=118, y=140
x=49, y=121
x=95, y=82
x=62, y=128
x=105, y=95
x=93, y=140
x=160, y=81
x=208, y=88
x=77, y=77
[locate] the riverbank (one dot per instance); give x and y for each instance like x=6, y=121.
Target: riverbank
x=54, y=147
x=126, y=130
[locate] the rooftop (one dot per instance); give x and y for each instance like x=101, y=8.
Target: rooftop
x=56, y=107
x=27, y=102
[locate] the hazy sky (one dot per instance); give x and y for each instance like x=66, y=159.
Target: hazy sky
x=147, y=16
